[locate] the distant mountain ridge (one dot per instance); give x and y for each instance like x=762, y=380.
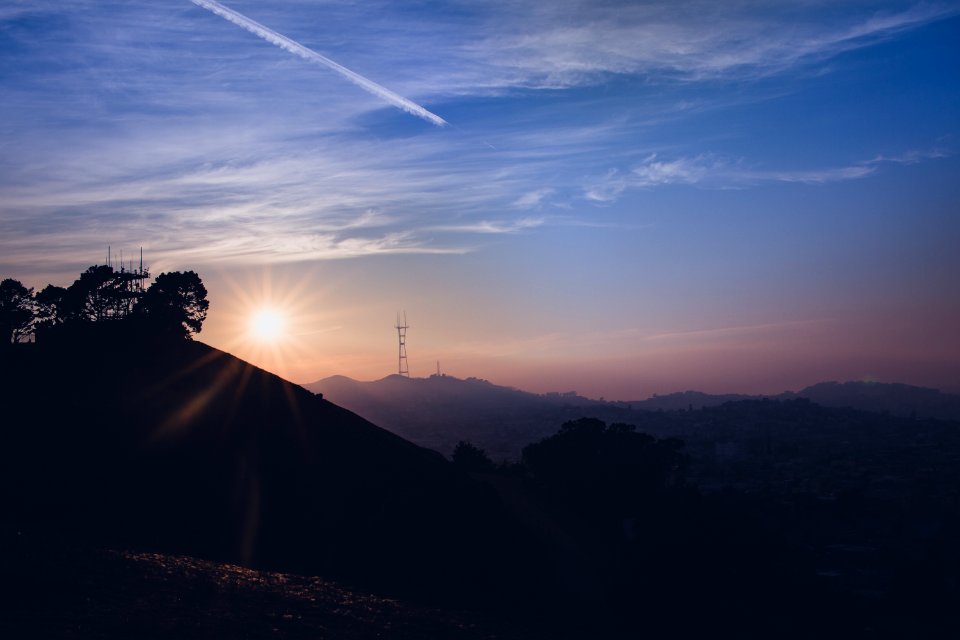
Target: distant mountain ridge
x=894, y=398
x=891, y=397
x=438, y=411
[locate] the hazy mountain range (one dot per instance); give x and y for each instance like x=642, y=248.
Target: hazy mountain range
x=438, y=411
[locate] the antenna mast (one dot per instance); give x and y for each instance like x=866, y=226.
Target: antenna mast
x=403, y=368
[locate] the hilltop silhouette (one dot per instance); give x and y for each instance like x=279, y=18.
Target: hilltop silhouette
x=179, y=447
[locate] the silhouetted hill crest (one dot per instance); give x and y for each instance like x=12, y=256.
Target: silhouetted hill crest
x=183, y=448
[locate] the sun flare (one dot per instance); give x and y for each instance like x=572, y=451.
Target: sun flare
x=266, y=325
x=272, y=317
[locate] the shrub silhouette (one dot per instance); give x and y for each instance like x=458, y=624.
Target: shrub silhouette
x=52, y=306
x=611, y=470
x=16, y=311
x=471, y=458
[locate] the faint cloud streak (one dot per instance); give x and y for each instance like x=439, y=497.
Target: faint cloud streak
x=707, y=171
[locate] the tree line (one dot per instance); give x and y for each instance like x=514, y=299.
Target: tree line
x=173, y=305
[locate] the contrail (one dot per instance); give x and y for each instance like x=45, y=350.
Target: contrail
x=296, y=48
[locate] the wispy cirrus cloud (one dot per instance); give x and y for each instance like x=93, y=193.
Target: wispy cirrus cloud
x=482, y=48
x=575, y=42
x=533, y=199
x=733, y=331
x=492, y=227
x=250, y=198
x=712, y=172
x=911, y=157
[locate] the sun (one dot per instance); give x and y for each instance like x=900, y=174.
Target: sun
x=267, y=325
x=275, y=321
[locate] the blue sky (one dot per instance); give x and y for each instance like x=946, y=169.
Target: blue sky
x=631, y=197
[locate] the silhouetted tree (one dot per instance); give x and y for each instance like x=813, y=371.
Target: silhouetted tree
x=471, y=458
x=51, y=306
x=16, y=311
x=96, y=295
x=611, y=470
x=175, y=304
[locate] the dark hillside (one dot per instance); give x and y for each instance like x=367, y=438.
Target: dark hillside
x=182, y=448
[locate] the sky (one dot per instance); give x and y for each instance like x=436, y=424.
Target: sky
x=617, y=198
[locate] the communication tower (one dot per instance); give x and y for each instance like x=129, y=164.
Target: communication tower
x=126, y=286
x=403, y=368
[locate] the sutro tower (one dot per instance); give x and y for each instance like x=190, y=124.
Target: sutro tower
x=402, y=366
